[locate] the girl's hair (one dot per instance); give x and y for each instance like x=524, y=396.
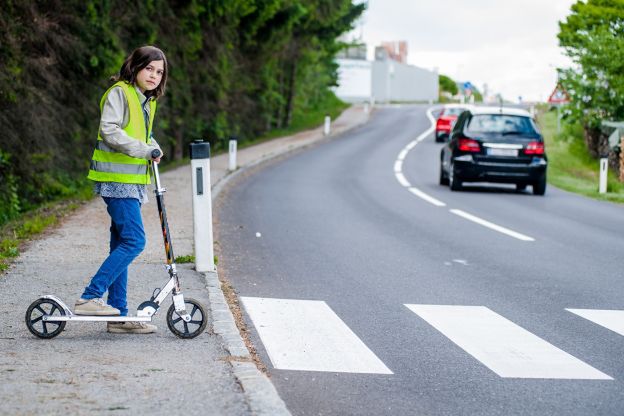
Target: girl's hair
x=139, y=59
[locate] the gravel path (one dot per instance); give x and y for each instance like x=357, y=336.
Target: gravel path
x=85, y=369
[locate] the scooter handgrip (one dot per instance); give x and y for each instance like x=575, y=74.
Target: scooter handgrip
x=156, y=153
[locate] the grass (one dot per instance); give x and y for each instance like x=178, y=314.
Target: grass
x=185, y=259
x=15, y=233
x=570, y=166
x=305, y=120
x=191, y=259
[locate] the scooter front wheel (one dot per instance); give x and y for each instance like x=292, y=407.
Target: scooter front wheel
x=191, y=329
x=34, y=318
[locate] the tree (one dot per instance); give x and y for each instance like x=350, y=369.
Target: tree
x=314, y=43
x=593, y=37
x=237, y=67
x=447, y=84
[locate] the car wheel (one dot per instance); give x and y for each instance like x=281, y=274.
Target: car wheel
x=520, y=187
x=443, y=178
x=454, y=182
x=539, y=186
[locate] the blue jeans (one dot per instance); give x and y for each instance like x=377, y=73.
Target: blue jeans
x=126, y=243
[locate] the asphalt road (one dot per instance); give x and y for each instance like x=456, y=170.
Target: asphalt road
x=334, y=225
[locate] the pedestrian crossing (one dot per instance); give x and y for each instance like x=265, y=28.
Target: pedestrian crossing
x=504, y=347
x=307, y=335
x=613, y=320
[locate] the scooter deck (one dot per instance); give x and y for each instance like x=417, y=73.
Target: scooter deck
x=96, y=318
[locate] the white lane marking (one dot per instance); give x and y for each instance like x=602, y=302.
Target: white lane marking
x=398, y=173
x=426, y=197
x=491, y=225
x=610, y=319
x=430, y=130
x=504, y=347
x=402, y=179
x=411, y=145
x=398, y=166
x=307, y=335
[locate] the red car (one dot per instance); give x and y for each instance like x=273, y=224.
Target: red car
x=447, y=119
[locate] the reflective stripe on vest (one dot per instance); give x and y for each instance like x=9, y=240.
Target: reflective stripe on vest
x=109, y=165
x=100, y=145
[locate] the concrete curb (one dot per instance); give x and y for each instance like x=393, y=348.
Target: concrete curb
x=262, y=397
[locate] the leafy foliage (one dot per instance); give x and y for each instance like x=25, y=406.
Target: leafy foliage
x=447, y=84
x=593, y=36
x=237, y=68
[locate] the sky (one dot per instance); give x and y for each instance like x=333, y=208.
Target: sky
x=510, y=45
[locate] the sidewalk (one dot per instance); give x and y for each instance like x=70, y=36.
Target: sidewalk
x=85, y=369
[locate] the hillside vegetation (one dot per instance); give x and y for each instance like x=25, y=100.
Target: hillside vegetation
x=237, y=68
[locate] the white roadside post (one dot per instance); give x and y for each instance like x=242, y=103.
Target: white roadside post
x=202, y=206
x=327, y=127
x=604, y=166
x=232, y=160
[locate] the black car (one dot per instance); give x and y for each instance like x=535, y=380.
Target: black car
x=495, y=144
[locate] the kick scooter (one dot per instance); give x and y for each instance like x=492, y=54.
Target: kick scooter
x=47, y=316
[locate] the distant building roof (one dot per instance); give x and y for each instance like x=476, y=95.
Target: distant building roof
x=396, y=51
x=356, y=51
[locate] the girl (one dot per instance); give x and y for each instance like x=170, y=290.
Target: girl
x=120, y=169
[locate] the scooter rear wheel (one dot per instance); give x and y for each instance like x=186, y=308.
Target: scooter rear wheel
x=34, y=318
x=197, y=324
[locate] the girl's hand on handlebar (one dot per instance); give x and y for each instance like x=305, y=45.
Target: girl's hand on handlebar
x=156, y=156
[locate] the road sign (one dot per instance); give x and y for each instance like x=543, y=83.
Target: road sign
x=559, y=96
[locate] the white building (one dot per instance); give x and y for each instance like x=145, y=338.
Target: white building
x=384, y=80
x=354, y=80
x=396, y=82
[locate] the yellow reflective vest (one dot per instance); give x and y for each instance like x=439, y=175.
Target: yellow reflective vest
x=109, y=165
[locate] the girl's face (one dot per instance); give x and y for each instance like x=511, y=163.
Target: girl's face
x=149, y=77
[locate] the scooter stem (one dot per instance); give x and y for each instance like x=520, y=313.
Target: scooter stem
x=160, y=202
x=158, y=190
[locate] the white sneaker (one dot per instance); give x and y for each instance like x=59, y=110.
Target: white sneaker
x=95, y=307
x=130, y=328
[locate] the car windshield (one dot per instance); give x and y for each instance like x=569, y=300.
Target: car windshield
x=502, y=124
x=453, y=111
